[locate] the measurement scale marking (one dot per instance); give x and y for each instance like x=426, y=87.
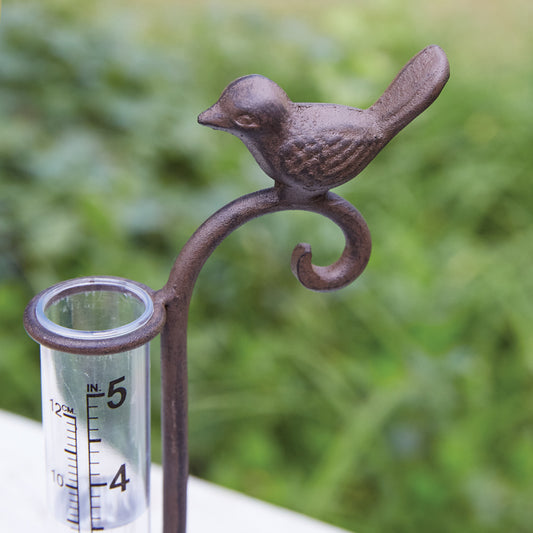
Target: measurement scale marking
x=71, y=449
x=95, y=483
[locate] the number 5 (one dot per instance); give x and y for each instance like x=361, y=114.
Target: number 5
x=113, y=389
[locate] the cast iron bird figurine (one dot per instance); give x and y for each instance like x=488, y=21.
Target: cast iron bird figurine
x=315, y=147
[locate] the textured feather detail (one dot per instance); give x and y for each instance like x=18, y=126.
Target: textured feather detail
x=327, y=160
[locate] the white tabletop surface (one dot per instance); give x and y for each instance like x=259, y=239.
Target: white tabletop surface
x=210, y=508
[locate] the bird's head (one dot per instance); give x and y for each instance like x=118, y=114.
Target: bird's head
x=247, y=105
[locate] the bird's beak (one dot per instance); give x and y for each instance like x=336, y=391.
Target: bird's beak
x=213, y=118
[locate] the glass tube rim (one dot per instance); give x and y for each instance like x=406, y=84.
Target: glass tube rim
x=77, y=285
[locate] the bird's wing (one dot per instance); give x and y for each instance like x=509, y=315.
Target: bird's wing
x=329, y=160
x=415, y=88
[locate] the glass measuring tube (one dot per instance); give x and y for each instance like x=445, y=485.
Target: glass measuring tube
x=96, y=408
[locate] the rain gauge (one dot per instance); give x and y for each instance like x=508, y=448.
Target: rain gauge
x=95, y=332
x=96, y=407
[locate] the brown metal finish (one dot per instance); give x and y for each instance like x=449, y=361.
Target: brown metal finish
x=307, y=149
x=177, y=296
x=315, y=147
x=95, y=347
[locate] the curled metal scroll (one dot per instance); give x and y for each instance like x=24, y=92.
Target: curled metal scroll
x=307, y=149
x=208, y=236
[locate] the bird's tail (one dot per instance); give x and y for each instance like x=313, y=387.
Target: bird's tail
x=415, y=87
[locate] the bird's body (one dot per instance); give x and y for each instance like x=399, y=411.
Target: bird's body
x=315, y=147
x=325, y=145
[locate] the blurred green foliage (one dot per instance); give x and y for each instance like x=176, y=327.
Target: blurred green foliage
x=403, y=403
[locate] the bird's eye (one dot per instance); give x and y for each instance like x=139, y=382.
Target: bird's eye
x=246, y=121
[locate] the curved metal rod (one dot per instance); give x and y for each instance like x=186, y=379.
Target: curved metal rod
x=354, y=257
x=176, y=296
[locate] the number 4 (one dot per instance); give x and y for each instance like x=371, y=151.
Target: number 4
x=120, y=479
